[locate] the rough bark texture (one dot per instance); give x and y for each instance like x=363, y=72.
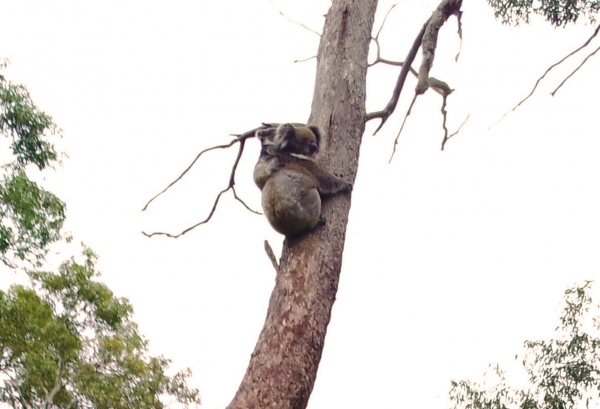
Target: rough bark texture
x=283, y=366
x=445, y=9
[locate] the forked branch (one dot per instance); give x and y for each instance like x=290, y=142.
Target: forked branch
x=575, y=70
x=241, y=139
x=553, y=66
x=427, y=39
x=378, y=58
x=389, y=109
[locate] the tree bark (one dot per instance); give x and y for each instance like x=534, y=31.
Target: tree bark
x=283, y=366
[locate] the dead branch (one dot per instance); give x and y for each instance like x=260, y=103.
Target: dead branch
x=574, y=71
x=188, y=168
x=402, y=127
x=389, y=109
x=241, y=139
x=427, y=38
x=445, y=117
x=306, y=59
x=441, y=88
x=384, y=19
x=550, y=69
x=271, y=256
x=459, y=31
x=455, y=133
x=296, y=22
x=375, y=39
x=441, y=14
x=395, y=63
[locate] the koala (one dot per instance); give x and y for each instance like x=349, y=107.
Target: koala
x=291, y=182
x=303, y=143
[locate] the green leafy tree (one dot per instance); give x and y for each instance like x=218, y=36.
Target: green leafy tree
x=69, y=342
x=556, y=12
x=30, y=217
x=563, y=373
x=65, y=340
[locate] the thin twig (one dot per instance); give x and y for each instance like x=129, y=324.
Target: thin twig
x=231, y=185
x=455, y=133
x=189, y=167
x=174, y=236
x=376, y=38
x=459, y=31
x=391, y=105
x=295, y=22
x=574, y=71
x=300, y=24
x=402, y=127
x=548, y=70
x=306, y=59
x=271, y=256
x=385, y=18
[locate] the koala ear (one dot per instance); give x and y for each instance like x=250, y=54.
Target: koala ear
x=284, y=135
x=265, y=135
x=318, y=134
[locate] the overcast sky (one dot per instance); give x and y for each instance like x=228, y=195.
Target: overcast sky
x=452, y=258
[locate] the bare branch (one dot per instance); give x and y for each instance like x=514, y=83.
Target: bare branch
x=271, y=256
x=455, y=133
x=445, y=9
x=391, y=106
x=300, y=24
x=189, y=167
x=444, y=90
x=378, y=58
x=174, y=236
x=459, y=18
x=427, y=38
x=295, y=22
x=549, y=69
x=306, y=59
x=574, y=71
x=385, y=18
x=445, y=116
x=376, y=38
x=241, y=139
x=402, y=127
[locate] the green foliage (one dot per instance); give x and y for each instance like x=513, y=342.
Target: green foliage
x=65, y=341
x=22, y=121
x=30, y=217
x=563, y=373
x=69, y=342
x=557, y=12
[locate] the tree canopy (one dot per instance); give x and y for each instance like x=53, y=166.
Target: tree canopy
x=30, y=217
x=556, y=12
x=563, y=373
x=66, y=341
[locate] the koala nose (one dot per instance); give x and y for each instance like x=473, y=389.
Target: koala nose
x=312, y=146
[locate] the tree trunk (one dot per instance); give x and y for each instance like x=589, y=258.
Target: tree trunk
x=283, y=366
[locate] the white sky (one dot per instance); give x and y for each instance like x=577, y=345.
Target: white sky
x=452, y=259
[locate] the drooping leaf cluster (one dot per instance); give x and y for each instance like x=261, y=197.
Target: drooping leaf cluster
x=30, y=217
x=563, y=373
x=557, y=12
x=68, y=342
